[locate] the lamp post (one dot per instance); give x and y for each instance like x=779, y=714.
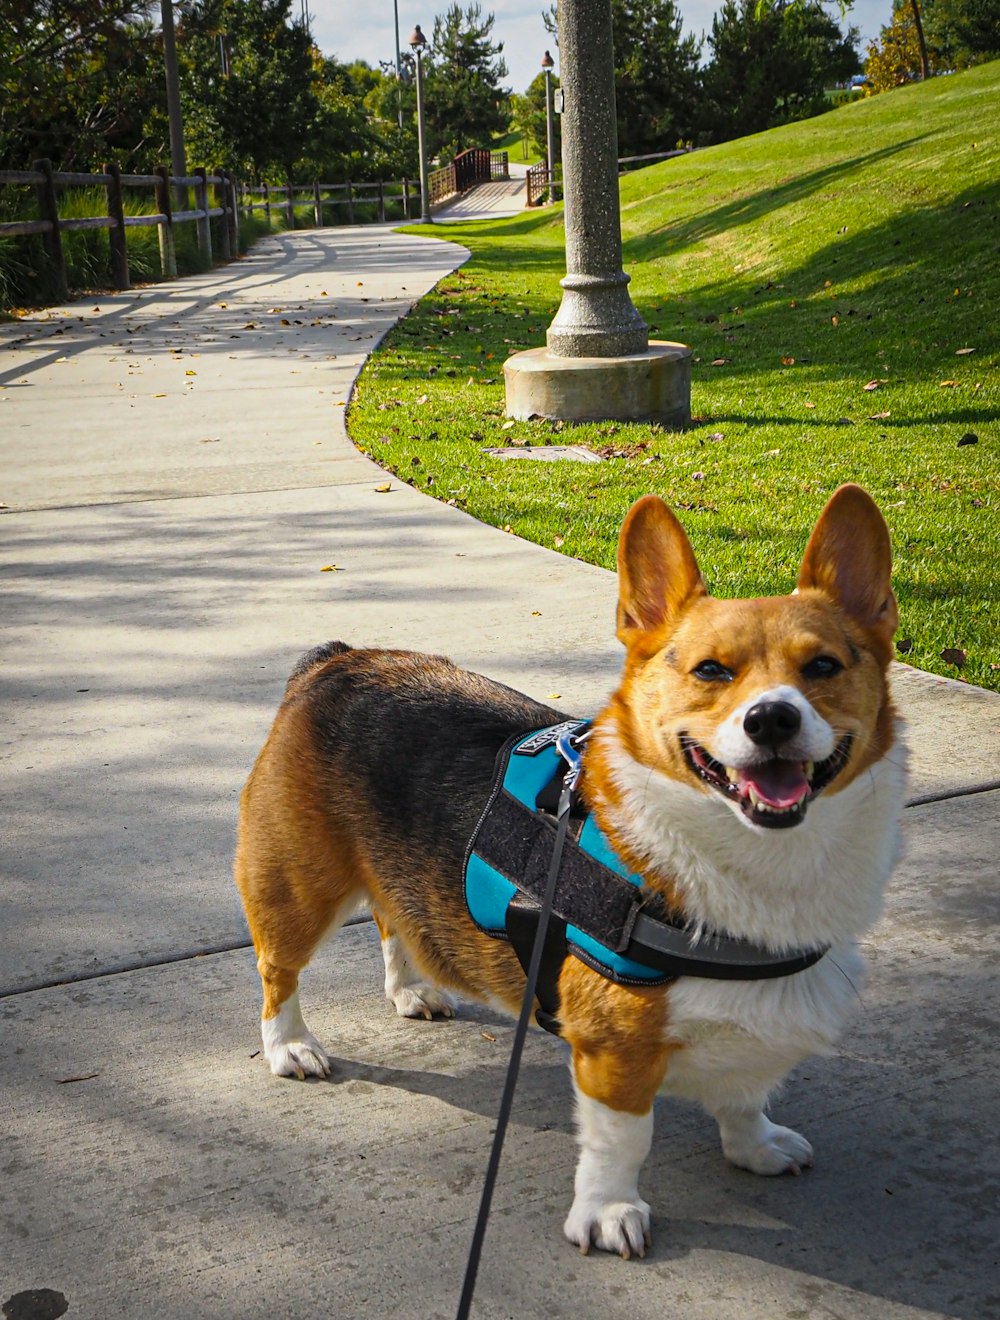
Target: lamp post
x=418, y=43
x=598, y=363
x=548, y=64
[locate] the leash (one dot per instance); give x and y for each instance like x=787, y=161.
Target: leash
x=572, y=758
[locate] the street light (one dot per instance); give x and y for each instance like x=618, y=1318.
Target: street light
x=418, y=43
x=548, y=64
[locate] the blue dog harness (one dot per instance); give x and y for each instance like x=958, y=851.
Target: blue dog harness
x=602, y=913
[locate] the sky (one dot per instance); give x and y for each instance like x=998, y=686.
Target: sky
x=366, y=30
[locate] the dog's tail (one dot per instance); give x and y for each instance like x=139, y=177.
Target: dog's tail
x=317, y=656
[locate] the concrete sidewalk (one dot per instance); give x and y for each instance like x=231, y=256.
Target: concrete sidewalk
x=177, y=475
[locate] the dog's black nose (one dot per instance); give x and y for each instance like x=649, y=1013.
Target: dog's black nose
x=771, y=723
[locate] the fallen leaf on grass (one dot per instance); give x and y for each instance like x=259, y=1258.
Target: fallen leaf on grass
x=720, y=362
x=962, y=352
x=872, y=385
x=788, y=362
x=904, y=645
x=948, y=384
x=879, y=417
x=970, y=438
x=954, y=655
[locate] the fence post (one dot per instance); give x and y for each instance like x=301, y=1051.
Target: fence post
x=222, y=200
x=203, y=224
x=317, y=204
x=48, y=209
x=165, y=229
x=290, y=206
x=406, y=199
x=116, y=235
x=350, y=204
x=381, y=201
x=267, y=202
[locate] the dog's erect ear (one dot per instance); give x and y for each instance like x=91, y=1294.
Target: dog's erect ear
x=657, y=570
x=849, y=558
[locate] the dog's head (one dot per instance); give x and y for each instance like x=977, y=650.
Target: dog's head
x=765, y=703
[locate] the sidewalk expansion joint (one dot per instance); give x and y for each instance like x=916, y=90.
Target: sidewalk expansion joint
x=141, y=965
x=190, y=955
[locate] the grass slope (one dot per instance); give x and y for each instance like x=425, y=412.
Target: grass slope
x=831, y=278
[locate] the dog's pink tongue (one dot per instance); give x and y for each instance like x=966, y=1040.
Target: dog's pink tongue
x=778, y=783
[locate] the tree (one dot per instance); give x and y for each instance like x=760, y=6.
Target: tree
x=466, y=106
x=772, y=68
x=247, y=85
x=657, y=83
x=529, y=115
x=76, y=83
x=953, y=34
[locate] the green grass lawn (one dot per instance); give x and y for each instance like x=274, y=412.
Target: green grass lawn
x=838, y=282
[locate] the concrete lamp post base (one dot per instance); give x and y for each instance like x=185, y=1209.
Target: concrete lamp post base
x=653, y=386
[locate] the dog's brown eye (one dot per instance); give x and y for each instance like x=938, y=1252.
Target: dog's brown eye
x=824, y=666
x=713, y=671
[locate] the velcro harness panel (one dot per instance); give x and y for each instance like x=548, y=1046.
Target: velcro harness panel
x=596, y=898
x=602, y=912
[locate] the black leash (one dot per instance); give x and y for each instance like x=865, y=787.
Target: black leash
x=572, y=757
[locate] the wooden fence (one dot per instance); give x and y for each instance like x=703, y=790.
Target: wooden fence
x=477, y=165
x=216, y=197
x=317, y=197
x=208, y=188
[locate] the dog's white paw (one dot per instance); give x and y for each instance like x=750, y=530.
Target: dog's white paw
x=290, y=1047
x=299, y=1058
x=422, y=1001
x=766, y=1148
x=618, y=1226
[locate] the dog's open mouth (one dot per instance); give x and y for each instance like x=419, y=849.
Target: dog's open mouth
x=773, y=793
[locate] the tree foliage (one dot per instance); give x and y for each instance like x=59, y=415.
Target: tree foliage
x=657, y=83
x=528, y=116
x=957, y=34
x=771, y=67
x=656, y=76
x=466, y=105
x=73, y=83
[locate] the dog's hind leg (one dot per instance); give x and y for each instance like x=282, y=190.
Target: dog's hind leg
x=288, y=918
x=411, y=995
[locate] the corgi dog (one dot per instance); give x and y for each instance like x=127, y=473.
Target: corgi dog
x=748, y=772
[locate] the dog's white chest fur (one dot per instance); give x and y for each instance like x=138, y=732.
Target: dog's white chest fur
x=820, y=883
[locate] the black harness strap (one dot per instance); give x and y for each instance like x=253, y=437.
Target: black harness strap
x=522, y=930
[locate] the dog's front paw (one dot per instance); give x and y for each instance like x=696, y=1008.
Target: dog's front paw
x=618, y=1226
x=299, y=1058
x=290, y=1047
x=768, y=1149
x=422, y=1001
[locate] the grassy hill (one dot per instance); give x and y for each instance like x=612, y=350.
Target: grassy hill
x=838, y=281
